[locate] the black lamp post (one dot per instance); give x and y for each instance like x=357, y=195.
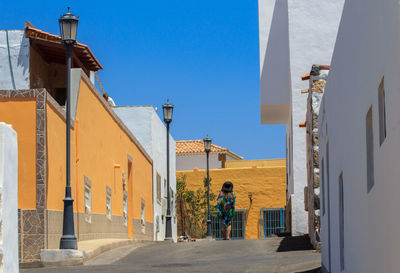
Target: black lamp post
x=167, y=110
x=68, y=27
x=207, y=149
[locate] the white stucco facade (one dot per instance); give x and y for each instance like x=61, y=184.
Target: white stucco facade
x=366, y=51
x=299, y=33
x=14, y=60
x=148, y=128
x=9, y=199
x=190, y=162
x=199, y=160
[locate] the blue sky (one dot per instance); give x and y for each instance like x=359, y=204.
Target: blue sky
x=201, y=55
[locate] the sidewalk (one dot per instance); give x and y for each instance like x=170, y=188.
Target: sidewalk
x=86, y=251
x=92, y=248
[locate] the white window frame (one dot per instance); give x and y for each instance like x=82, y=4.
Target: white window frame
x=125, y=202
x=158, y=177
x=88, y=199
x=143, y=214
x=108, y=202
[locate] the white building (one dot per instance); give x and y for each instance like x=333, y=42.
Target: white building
x=359, y=137
x=151, y=132
x=8, y=199
x=294, y=35
x=190, y=154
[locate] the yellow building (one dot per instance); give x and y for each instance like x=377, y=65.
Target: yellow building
x=111, y=174
x=260, y=193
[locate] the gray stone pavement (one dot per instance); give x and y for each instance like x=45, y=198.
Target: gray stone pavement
x=275, y=255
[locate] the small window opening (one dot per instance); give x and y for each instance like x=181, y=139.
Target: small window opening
x=370, y=149
x=382, y=112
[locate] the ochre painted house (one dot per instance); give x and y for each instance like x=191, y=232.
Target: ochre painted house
x=255, y=187
x=111, y=174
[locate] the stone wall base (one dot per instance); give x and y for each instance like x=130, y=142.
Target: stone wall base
x=32, y=238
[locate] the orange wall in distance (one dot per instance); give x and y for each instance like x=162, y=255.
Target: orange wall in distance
x=268, y=186
x=103, y=148
x=24, y=123
x=257, y=163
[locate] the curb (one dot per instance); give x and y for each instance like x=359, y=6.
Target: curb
x=68, y=257
x=89, y=254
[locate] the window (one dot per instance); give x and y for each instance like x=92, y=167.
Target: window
x=124, y=180
x=88, y=199
x=322, y=186
x=171, y=194
x=341, y=221
x=158, y=223
x=125, y=207
x=370, y=150
x=382, y=112
x=108, y=202
x=60, y=95
x=143, y=215
x=158, y=188
x=165, y=188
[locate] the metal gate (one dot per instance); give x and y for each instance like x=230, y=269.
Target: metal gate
x=238, y=225
x=272, y=221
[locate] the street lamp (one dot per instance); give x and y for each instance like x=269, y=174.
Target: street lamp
x=207, y=149
x=167, y=111
x=68, y=27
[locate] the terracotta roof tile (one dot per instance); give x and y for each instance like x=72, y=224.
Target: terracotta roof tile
x=324, y=67
x=197, y=146
x=306, y=77
x=82, y=50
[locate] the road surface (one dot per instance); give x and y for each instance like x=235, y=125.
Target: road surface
x=275, y=255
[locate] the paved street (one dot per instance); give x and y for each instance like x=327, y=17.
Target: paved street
x=270, y=255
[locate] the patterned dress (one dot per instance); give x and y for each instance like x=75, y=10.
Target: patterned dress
x=226, y=207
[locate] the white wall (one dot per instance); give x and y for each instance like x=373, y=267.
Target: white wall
x=159, y=136
x=301, y=33
x=274, y=61
x=9, y=198
x=367, y=48
x=313, y=26
x=189, y=162
x=150, y=131
x=18, y=45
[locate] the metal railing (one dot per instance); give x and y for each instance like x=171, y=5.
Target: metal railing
x=238, y=225
x=272, y=221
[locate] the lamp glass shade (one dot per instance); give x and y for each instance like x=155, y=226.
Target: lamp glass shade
x=168, y=110
x=68, y=27
x=207, y=144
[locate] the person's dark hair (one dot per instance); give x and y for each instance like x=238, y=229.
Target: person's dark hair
x=227, y=187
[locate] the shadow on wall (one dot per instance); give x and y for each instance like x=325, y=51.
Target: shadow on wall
x=295, y=244
x=315, y=270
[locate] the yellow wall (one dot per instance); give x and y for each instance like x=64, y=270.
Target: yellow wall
x=56, y=159
x=257, y=163
x=103, y=149
x=24, y=123
x=268, y=186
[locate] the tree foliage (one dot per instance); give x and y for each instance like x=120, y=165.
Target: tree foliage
x=192, y=208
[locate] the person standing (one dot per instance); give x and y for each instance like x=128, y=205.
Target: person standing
x=226, y=208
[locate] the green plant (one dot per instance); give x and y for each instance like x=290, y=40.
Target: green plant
x=193, y=208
